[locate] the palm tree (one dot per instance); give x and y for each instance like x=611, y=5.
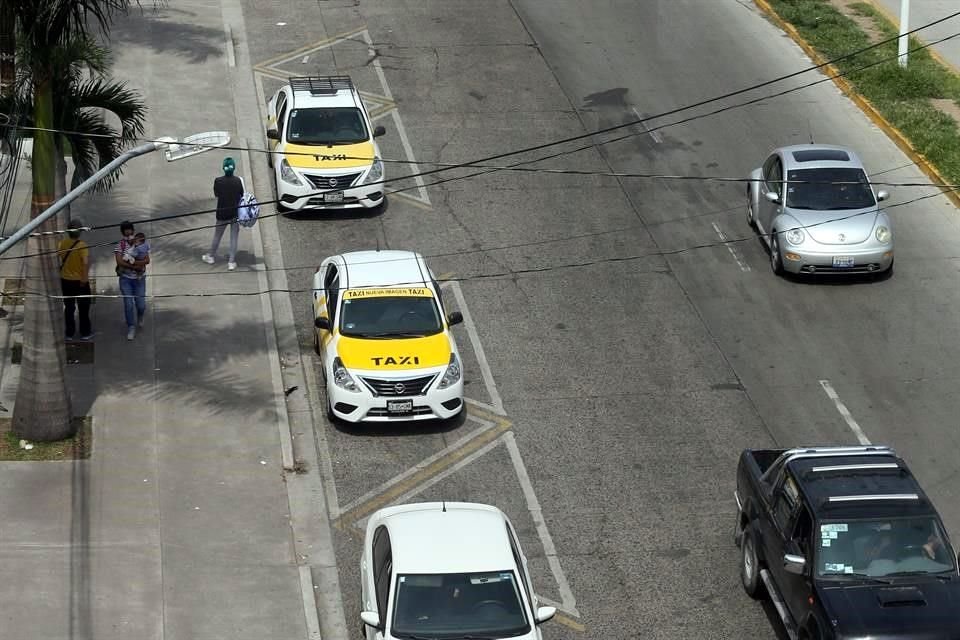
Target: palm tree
x=43, y=411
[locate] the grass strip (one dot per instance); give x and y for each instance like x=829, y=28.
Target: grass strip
x=902, y=96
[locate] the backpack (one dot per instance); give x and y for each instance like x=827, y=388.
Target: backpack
x=249, y=209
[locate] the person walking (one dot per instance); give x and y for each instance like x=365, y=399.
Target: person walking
x=228, y=190
x=74, y=256
x=132, y=276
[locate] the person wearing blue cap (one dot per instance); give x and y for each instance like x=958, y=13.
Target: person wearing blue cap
x=228, y=190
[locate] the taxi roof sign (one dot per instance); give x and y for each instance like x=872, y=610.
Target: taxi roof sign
x=382, y=292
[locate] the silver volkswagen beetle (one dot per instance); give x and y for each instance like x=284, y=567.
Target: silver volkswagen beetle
x=816, y=210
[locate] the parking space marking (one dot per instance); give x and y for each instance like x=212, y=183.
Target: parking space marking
x=736, y=256
x=497, y=406
x=379, y=106
x=391, y=490
x=569, y=622
x=844, y=412
x=533, y=506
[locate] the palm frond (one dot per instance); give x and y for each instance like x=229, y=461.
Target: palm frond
x=92, y=152
x=117, y=98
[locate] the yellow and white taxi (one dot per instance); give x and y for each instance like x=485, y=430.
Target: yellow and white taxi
x=384, y=339
x=324, y=152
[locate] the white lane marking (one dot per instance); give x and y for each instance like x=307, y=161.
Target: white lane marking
x=305, y=58
x=486, y=425
x=413, y=168
x=309, y=603
x=844, y=412
x=478, y=349
x=723, y=238
x=533, y=505
x=228, y=33
x=653, y=134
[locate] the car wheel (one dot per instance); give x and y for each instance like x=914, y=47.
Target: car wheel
x=750, y=566
x=751, y=221
x=316, y=343
x=776, y=261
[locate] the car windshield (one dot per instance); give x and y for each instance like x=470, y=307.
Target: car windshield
x=343, y=125
x=878, y=548
x=389, y=316
x=817, y=190
x=484, y=605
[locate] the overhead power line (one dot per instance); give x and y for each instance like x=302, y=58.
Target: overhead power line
x=517, y=165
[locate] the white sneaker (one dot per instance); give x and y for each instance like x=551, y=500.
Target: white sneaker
x=209, y=259
x=140, y=322
x=131, y=333
x=231, y=266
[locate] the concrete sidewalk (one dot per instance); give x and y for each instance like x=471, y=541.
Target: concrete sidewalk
x=179, y=523
x=924, y=12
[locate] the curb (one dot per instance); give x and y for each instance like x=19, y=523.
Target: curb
x=864, y=104
x=280, y=401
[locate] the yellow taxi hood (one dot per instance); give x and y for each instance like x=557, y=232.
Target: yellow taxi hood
x=341, y=156
x=394, y=355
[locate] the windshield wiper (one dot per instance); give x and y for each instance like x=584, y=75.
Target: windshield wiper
x=412, y=636
x=859, y=576
x=939, y=575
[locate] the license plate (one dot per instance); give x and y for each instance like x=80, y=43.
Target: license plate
x=843, y=261
x=335, y=196
x=399, y=406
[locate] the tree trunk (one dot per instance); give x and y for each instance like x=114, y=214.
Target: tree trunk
x=42, y=411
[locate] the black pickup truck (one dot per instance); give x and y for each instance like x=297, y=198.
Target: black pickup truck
x=846, y=544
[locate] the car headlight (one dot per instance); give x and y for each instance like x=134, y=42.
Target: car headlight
x=287, y=174
x=342, y=377
x=376, y=171
x=795, y=236
x=884, y=235
x=452, y=374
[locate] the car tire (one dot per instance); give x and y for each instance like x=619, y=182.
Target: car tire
x=776, y=260
x=750, y=566
x=316, y=343
x=751, y=220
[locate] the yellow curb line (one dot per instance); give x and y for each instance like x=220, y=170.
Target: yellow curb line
x=569, y=622
x=895, y=21
x=871, y=112
x=424, y=474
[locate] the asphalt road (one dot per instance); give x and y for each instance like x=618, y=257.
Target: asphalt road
x=630, y=384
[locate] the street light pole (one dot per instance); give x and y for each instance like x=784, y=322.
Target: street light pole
x=195, y=144
x=903, y=42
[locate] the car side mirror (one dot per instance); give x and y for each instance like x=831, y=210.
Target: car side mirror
x=772, y=196
x=794, y=561
x=379, y=131
x=882, y=195
x=545, y=613
x=273, y=134
x=371, y=619
x=322, y=323
x=454, y=318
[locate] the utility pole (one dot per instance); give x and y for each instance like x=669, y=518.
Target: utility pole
x=903, y=42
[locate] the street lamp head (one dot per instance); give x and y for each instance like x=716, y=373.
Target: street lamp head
x=192, y=145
